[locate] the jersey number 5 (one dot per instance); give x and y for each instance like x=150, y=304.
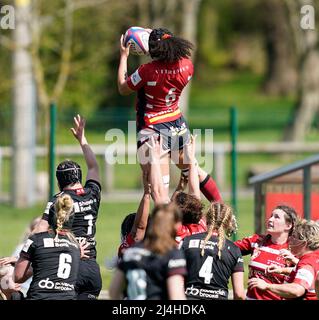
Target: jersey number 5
x=65, y=261
x=206, y=270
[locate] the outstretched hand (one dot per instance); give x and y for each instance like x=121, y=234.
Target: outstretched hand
x=156, y=148
x=124, y=51
x=78, y=130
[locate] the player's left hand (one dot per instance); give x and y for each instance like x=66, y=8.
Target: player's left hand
x=78, y=130
x=83, y=248
x=124, y=51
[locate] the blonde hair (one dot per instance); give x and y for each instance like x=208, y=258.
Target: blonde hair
x=30, y=228
x=63, y=212
x=160, y=236
x=308, y=231
x=220, y=219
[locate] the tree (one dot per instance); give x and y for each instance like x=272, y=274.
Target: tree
x=306, y=42
x=281, y=77
x=23, y=165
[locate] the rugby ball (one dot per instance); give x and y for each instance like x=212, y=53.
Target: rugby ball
x=137, y=39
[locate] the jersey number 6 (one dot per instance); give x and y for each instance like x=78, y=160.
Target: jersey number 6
x=65, y=261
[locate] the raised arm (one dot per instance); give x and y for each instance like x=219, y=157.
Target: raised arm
x=117, y=285
x=183, y=181
x=90, y=159
x=175, y=287
x=141, y=217
x=122, y=70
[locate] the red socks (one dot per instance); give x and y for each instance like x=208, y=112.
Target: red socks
x=210, y=190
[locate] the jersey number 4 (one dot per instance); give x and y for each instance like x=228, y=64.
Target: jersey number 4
x=64, y=269
x=206, y=270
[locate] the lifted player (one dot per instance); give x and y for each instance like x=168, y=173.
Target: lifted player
x=159, y=85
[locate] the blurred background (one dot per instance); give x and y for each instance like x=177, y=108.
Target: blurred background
x=258, y=57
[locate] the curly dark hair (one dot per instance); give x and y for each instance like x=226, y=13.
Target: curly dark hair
x=68, y=173
x=190, y=206
x=127, y=224
x=166, y=47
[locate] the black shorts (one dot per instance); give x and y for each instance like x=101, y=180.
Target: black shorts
x=89, y=282
x=175, y=134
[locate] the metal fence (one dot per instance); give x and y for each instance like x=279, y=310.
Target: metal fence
x=218, y=154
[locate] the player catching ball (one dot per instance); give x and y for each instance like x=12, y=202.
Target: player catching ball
x=159, y=85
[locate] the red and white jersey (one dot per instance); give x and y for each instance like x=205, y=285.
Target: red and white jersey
x=305, y=274
x=159, y=85
x=263, y=253
x=186, y=230
x=127, y=242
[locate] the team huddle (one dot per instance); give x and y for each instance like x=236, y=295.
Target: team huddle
x=177, y=251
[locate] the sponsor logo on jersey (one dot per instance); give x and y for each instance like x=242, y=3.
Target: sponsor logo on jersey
x=48, y=243
x=194, y=243
x=82, y=206
x=135, y=78
x=205, y=293
x=197, y=243
x=50, y=285
x=58, y=243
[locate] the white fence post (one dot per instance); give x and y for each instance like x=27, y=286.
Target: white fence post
x=108, y=177
x=219, y=165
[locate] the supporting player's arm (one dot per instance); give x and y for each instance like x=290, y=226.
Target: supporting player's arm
x=123, y=88
x=141, y=217
x=175, y=287
x=157, y=185
x=90, y=159
x=193, y=183
x=23, y=270
x=117, y=285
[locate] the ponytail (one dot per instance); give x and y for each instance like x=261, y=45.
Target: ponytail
x=63, y=211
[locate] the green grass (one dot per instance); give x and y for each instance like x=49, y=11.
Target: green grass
x=15, y=221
